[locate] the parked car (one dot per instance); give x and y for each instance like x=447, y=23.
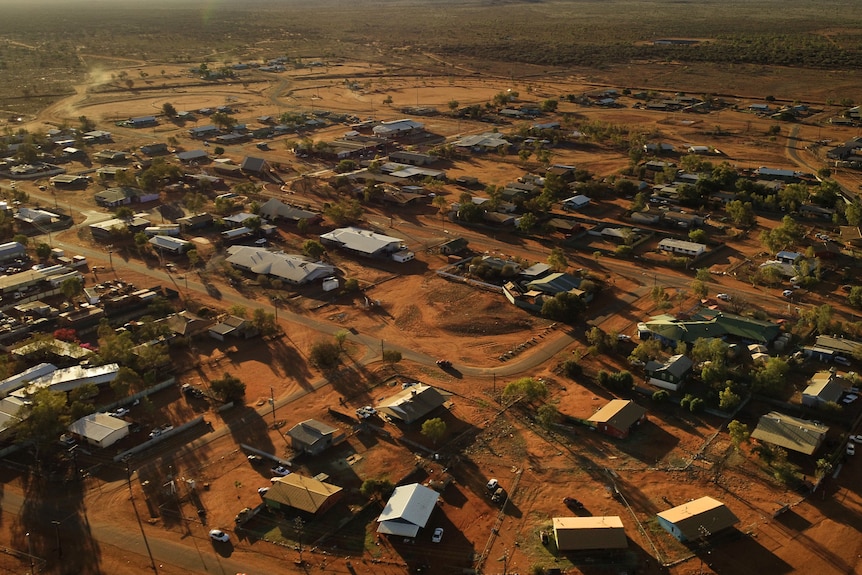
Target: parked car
x=723, y=296
x=159, y=431
x=787, y=293
x=254, y=459
x=219, y=535
x=438, y=535
x=262, y=491
x=492, y=484
x=499, y=495
x=444, y=363
x=280, y=470
x=120, y=412
x=851, y=449
x=573, y=503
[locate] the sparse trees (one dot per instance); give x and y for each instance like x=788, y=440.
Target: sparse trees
x=313, y=249
x=557, y=260
x=434, y=429
x=228, y=388
x=524, y=389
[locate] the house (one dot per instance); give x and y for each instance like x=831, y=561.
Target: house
x=141, y=122
x=171, y=245
x=487, y=142
x=698, y=149
x=407, y=511
x=241, y=219
x=19, y=380
x=775, y=174
x=69, y=378
x=618, y=418
x=589, y=533
x=841, y=345
x=791, y=258
x=558, y=282
x=693, y=249
x=362, y=242
x=411, y=158
x=274, y=209
x=100, y=429
x=824, y=387
x=576, y=203
x=453, y=246
x=790, y=433
x=154, y=149
x=313, y=437
x=397, y=128
x=195, y=222
x=232, y=326
x=236, y=234
x=204, y=131
x=187, y=324
x=193, y=156
x=300, y=493
x=69, y=181
x=698, y=519
x=413, y=403
x=671, y=374
x=294, y=269
x=683, y=220
x=708, y=324
x=114, y=197
x=251, y=165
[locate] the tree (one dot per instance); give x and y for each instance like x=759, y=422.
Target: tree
x=324, y=355
x=228, y=388
x=527, y=222
x=43, y=251
x=434, y=429
x=340, y=337
x=453, y=105
x=169, y=110
x=770, y=379
x=46, y=421
x=739, y=433
x=264, y=322
x=126, y=379
x=855, y=296
x=547, y=415
x=526, y=388
x=709, y=349
x=660, y=396
x=727, y=399
x=376, y=488
x=313, y=249
x=564, y=307
x=697, y=236
x=391, y=356
x=699, y=289
x=557, y=260
x=72, y=288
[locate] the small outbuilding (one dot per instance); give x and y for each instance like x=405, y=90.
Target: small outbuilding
x=618, y=418
x=698, y=519
x=413, y=403
x=589, y=533
x=300, y=493
x=313, y=437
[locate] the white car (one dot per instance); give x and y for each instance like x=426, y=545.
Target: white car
x=787, y=293
x=219, y=535
x=851, y=449
x=438, y=535
x=262, y=491
x=492, y=484
x=723, y=296
x=280, y=470
x=121, y=412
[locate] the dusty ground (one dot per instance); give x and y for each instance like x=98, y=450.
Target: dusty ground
x=469, y=327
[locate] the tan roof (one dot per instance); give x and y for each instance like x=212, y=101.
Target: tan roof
x=790, y=432
x=300, y=492
x=619, y=413
x=700, y=518
x=577, y=533
x=825, y=387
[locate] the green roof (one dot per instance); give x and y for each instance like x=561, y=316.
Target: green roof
x=709, y=324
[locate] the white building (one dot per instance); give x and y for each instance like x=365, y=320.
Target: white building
x=293, y=269
x=408, y=510
x=681, y=247
x=100, y=429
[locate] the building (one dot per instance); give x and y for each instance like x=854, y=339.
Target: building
x=487, y=142
x=589, y=533
x=252, y=165
x=708, y=324
x=824, y=387
x=195, y=222
x=682, y=247
x=300, y=493
x=362, y=242
x=232, y=326
x=11, y=251
x=413, y=403
x=790, y=433
x=407, y=511
x=274, y=210
x=170, y=245
x=671, y=374
x=19, y=380
x=576, y=203
x=294, y=269
x=789, y=258
x=397, y=128
x=100, y=429
x=313, y=437
x=105, y=230
x=698, y=519
x=193, y=156
x=187, y=324
x=618, y=418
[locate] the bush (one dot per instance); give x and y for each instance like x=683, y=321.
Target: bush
x=324, y=355
x=660, y=396
x=571, y=368
x=228, y=388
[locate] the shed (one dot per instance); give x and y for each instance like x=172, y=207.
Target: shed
x=312, y=436
x=589, y=533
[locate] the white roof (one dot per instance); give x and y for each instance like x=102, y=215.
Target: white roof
x=293, y=268
x=407, y=510
x=675, y=243
x=396, y=126
x=359, y=240
x=18, y=380
x=69, y=378
x=97, y=426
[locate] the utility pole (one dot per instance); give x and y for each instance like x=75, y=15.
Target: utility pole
x=59, y=544
x=30, y=551
x=272, y=401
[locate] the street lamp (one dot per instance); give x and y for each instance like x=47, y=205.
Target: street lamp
x=30, y=551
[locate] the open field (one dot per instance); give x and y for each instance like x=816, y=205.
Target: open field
x=109, y=62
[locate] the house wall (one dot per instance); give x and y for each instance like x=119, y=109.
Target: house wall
x=664, y=384
x=612, y=431
x=671, y=528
